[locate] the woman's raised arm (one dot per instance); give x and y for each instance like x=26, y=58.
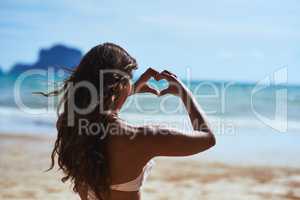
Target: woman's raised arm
x=169, y=142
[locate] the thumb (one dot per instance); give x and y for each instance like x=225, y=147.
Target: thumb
x=151, y=90
x=147, y=89
x=164, y=92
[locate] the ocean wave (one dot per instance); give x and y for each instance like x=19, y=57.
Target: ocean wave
x=13, y=120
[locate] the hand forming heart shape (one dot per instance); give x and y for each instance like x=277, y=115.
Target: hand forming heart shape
x=142, y=86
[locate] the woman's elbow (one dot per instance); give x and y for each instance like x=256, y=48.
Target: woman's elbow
x=211, y=140
x=206, y=141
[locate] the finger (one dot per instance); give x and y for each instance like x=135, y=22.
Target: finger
x=147, y=89
x=158, y=76
x=170, y=73
x=153, y=91
x=152, y=71
x=164, y=92
x=165, y=75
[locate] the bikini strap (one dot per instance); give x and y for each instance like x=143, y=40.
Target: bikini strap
x=137, y=183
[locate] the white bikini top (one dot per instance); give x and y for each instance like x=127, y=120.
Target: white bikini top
x=137, y=183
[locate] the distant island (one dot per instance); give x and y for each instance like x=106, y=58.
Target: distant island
x=56, y=56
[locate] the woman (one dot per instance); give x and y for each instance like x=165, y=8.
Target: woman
x=107, y=163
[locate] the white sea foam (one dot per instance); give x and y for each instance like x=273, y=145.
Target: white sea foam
x=13, y=120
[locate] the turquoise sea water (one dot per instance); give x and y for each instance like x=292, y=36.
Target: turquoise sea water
x=250, y=126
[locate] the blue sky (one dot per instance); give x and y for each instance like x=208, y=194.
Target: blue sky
x=221, y=40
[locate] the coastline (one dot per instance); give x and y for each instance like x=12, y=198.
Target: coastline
x=24, y=159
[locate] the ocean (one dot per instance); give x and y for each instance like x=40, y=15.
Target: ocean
x=251, y=126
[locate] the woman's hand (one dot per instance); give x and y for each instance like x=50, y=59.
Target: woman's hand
x=141, y=86
x=176, y=87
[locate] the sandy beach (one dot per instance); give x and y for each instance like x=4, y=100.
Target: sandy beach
x=23, y=160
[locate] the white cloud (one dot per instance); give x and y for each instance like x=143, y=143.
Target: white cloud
x=253, y=54
x=192, y=26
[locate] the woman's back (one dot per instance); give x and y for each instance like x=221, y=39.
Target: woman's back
x=127, y=161
x=131, y=150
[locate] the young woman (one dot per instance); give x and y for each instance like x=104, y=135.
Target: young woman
x=107, y=163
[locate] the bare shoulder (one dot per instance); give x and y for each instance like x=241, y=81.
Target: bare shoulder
x=122, y=129
x=128, y=141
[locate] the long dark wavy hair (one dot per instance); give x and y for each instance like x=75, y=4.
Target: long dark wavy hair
x=82, y=156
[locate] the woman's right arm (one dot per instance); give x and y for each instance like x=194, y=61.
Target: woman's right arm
x=169, y=142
